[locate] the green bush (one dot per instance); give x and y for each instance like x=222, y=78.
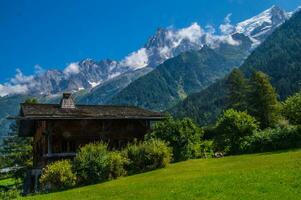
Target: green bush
x=206, y=149
x=9, y=195
x=94, y=163
x=273, y=139
x=116, y=163
x=182, y=135
x=231, y=128
x=57, y=176
x=147, y=155
x=291, y=109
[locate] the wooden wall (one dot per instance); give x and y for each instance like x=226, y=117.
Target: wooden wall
x=69, y=135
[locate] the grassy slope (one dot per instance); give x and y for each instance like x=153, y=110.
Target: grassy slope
x=258, y=176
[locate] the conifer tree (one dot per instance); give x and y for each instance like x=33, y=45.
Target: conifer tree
x=237, y=91
x=263, y=103
x=17, y=152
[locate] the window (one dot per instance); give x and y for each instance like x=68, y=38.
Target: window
x=68, y=146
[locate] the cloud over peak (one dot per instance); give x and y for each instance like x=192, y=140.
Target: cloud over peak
x=137, y=59
x=72, y=68
x=192, y=33
x=227, y=28
x=17, y=85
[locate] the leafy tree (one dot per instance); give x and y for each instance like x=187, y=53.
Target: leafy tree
x=231, y=127
x=182, y=135
x=237, y=90
x=292, y=109
x=263, y=102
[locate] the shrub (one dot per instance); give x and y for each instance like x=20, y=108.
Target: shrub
x=182, y=135
x=292, y=109
x=206, y=149
x=231, y=128
x=147, y=155
x=273, y=139
x=94, y=163
x=57, y=176
x=9, y=195
x=116, y=163
x=90, y=163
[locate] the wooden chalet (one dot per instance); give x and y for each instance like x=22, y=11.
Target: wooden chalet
x=58, y=130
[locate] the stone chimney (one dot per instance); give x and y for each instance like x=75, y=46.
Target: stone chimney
x=67, y=101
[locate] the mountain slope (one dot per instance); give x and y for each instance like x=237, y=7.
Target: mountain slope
x=163, y=45
x=8, y=106
x=164, y=87
x=279, y=57
x=185, y=74
x=98, y=81
x=105, y=91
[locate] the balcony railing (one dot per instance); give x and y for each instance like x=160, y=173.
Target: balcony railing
x=60, y=155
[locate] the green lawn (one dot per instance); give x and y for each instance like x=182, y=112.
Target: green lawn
x=257, y=176
x=7, y=182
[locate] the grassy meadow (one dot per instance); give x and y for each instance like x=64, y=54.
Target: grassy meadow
x=272, y=176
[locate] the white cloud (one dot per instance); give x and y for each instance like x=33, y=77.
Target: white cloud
x=227, y=19
x=193, y=33
x=229, y=40
x=7, y=89
x=20, y=78
x=227, y=27
x=38, y=69
x=212, y=40
x=210, y=29
x=165, y=52
x=72, y=68
x=19, y=84
x=137, y=60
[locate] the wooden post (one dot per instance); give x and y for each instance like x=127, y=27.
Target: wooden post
x=49, y=144
x=36, y=182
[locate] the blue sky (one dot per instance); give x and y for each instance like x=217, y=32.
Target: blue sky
x=53, y=33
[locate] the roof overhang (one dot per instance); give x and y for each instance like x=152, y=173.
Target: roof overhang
x=19, y=118
x=27, y=124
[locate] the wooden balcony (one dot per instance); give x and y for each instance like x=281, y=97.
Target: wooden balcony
x=60, y=155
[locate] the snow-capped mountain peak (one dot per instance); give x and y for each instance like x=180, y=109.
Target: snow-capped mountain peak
x=159, y=39
x=260, y=26
x=164, y=44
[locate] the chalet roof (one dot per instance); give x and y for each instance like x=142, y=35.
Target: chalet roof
x=55, y=111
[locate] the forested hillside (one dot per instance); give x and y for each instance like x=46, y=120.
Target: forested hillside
x=104, y=92
x=185, y=74
x=279, y=57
